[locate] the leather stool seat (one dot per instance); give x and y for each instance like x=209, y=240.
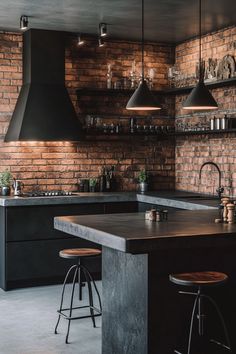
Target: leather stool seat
x=73, y=253
x=198, y=278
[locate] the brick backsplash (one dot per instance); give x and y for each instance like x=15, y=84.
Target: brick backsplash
x=193, y=151
x=59, y=165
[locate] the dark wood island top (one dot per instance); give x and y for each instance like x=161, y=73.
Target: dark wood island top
x=137, y=257
x=131, y=233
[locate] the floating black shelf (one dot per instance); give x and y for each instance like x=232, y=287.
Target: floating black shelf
x=127, y=137
x=171, y=91
x=127, y=116
x=109, y=92
x=211, y=85
x=97, y=136
x=205, y=132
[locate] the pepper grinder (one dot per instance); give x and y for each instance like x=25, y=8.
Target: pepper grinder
x=225, y=201
x=230, y=209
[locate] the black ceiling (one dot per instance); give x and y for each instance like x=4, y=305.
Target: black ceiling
x=165, y=20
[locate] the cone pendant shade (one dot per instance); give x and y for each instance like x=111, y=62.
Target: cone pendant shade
x=142, y=99
x=200, y=98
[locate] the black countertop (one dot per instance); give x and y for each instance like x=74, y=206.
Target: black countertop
x=133, y=234
x=176, y=199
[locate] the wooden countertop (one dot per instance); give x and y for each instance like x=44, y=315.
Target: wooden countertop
x=133, y=234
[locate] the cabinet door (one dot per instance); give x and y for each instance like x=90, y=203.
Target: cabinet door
x=35, y=260
x=121, y=207
x=36, y=222
x=142, y=207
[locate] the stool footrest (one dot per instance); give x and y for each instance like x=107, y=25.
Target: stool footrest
x=187, y=293
x=78, y=270
x=78, y=317
x=99, y=313
x=220, y=344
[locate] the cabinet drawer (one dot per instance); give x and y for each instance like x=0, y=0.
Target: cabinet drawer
x=36, y=222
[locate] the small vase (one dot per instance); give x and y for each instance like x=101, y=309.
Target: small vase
x=143, y=187
x=6, y=191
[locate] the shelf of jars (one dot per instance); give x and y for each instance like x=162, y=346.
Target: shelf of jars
x=115, y=127
x=204, y=132
x=211, y=85
x=170, y=90
x=218, y=72
x=110, y=92
x=213, y=125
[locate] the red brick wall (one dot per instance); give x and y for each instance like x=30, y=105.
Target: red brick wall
x=59, y=165
x=192, y=151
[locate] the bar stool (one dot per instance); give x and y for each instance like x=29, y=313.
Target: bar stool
x=77, y=270
x=201, y=280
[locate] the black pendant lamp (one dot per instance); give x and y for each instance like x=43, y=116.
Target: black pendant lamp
x=142, y=99
x=200, y=97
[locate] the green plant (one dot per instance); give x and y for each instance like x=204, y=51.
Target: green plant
x=142, y=176
x=5, y=178
x=92, y=182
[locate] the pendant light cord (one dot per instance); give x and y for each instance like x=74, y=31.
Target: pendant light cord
x=200, y=41
x=142, y=40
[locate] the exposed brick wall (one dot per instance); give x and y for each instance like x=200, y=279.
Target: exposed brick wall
x=86, y=67
x=192, y=151
x=59, y=165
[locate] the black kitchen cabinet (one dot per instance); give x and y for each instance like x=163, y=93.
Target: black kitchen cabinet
x=29, y=244
x=36, y=222
x=120, y=207
x=142, y=207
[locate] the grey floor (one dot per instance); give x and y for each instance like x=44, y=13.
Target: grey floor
x=27, y=321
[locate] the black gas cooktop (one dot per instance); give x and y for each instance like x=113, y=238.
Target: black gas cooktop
x=48, y=194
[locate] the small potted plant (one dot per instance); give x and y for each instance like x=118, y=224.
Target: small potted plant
x=5, y=182
x=143, y=181
x=92, y=184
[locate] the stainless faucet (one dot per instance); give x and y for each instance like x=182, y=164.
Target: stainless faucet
x=220, y=189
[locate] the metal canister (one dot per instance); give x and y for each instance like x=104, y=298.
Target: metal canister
x=212, y=123
x=217, y=123
x=224, y=123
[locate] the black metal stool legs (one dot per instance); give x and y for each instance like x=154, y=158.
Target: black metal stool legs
x=78, y=268
x=228, y=346
x=95, y=287
x=71, y=303
x=90, y=297
x=197, y=306
x=192, y=320
x=81, y=284
x=62, y=296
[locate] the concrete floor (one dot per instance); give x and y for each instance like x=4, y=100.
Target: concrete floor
x=27, y=321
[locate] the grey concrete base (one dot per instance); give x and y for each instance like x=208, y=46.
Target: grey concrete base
x=125, y=306
x=27, y=321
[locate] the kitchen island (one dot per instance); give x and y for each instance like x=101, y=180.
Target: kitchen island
x=142, y=311
x=29, y=244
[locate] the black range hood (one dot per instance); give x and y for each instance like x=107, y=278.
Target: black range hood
x=44, y=111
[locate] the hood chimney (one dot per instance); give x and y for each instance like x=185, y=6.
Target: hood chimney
x=44, y=111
